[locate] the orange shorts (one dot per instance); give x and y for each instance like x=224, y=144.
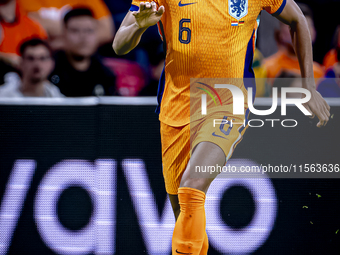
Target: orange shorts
x=178, y=142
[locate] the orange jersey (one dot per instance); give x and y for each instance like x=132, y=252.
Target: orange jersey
x=205, y=39
x=98, y=7
x=22, y=29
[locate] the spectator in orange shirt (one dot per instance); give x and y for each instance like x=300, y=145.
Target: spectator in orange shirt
x=285, y=59
x=331, y=57
x=15, y=27
x=50, y=14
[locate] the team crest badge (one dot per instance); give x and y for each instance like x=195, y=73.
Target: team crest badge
x=238, y=8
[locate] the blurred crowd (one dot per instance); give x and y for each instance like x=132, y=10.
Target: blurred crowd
x=62, y=48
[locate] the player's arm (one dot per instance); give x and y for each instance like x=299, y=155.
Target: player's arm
x=292, y=16
x=134, y=25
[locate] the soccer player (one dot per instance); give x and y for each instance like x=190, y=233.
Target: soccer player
x=207, y=39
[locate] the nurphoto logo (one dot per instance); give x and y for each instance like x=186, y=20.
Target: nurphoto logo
x=238, y=104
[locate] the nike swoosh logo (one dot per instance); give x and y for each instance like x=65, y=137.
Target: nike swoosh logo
x=181, y=252
x=214, y=134
x=181, y=5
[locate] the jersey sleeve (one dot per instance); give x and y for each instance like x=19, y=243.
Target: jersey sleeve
x=274, y=7
x=135, y=4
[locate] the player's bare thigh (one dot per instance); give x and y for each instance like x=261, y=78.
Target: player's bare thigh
x=205, y=154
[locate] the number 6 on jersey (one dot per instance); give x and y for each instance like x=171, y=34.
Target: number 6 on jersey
x=184, y=29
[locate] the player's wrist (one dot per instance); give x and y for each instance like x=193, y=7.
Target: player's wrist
x=140, y=28
x=309, y=84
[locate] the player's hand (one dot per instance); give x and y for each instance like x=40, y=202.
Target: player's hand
x=148, y=15
x=319, y=107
